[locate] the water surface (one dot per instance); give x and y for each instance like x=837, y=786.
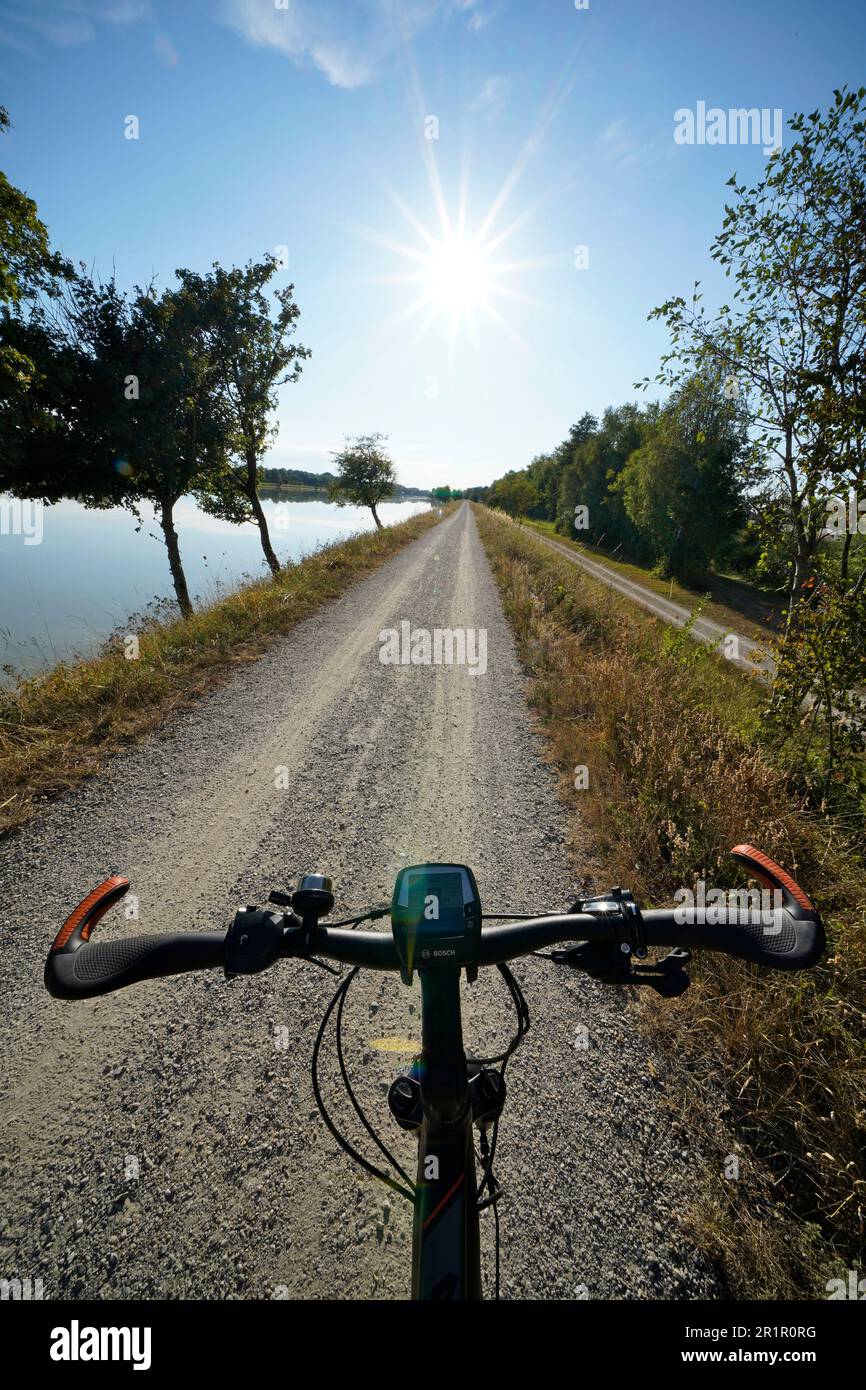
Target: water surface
x=93, y=570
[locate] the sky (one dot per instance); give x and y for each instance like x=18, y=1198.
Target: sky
x=478, y=201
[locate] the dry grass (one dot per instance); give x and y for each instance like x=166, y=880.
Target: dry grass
x=742, y=618
x=771, y=1067
x=55, y=728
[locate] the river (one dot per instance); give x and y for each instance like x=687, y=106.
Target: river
x=70, y=576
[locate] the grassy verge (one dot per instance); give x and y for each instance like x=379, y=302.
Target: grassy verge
x=740, y=607
x=54, y=728
x=770, y=1068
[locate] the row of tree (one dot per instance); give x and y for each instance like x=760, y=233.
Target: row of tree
x=657, y=483
x=762, y=440
x=766, y=423
x=123, y=399
x=329, y=482
x=297, y=477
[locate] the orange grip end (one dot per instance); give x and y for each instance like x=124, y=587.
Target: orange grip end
x=768, y=872
x=91, y=910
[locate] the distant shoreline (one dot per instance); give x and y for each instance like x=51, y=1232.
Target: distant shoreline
x=402, y=496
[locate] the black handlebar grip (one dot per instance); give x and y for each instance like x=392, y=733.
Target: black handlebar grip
x=776, y=939
x=787, y=934
x=78, y=968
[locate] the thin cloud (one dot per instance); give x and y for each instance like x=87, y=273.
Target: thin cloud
x=10, y=40
x=349, y=52
x=342, y=67
x=626, y=150
x=477, y=19
x=492, y=98
x=617, y=139
x=63, y=23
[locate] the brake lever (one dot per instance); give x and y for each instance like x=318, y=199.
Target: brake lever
x=606, y=962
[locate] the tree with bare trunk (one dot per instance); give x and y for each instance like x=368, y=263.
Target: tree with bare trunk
x=253, y=355
x=365, y=474
x=140, y=419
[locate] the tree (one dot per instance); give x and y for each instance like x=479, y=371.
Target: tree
x=28, y=266
x=30, y=274
x=147, y=398
x=178, y=431
x=253, y=355
x=62, y=437
x=138, y=416
x=597, y=459
x=679, y=487
x=818, y=690
x=792, y=345
x=365, y=474
x=514, y=494
x=562, y=459
x=38, y=379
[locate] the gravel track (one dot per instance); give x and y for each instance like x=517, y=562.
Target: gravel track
x=163, y=1142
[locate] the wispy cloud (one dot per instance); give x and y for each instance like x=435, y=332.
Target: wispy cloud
x=491, y=100
x=65, y=23
x=349, y=45
x=617, y=138
x=626, y=149
x=477, y=18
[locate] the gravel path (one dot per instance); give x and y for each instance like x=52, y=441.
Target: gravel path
x=163, y=1142
x=750, y=656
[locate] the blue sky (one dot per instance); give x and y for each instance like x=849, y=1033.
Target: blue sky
x=305, y=126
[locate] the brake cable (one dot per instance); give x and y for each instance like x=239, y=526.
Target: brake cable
x=353, y=1098
x=344, y=1143
x=516, y=916
x=488, y=1148
x=523, y=917
x=523, y=1024
x=523, y=1021
x=372, y=916
x=486, y=1161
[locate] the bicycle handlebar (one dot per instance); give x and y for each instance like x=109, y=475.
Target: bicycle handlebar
x=78, y=968
x=790, y=937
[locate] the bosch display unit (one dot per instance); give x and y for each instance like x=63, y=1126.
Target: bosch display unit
x=436, y=918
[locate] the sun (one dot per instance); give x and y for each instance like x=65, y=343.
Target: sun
x=458, y=274
x=455, y=263
x=455, y=266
